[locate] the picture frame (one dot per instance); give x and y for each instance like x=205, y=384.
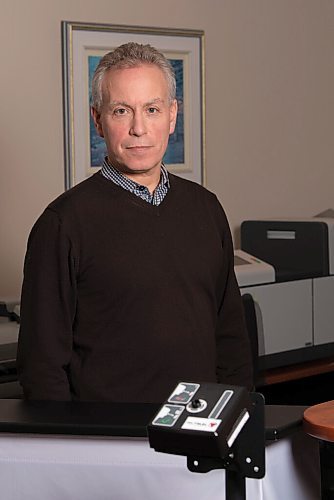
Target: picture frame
x=83, y=44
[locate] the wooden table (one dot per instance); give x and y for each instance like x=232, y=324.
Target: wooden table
x=319, y=422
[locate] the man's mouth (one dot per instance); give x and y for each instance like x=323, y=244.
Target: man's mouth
x=138, y=149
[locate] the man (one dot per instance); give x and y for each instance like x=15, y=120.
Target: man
x=129, y=283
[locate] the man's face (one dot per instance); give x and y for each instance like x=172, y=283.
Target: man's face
x=136, y=118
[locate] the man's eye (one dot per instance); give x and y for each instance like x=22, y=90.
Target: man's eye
x=120, y=111
x=152, y=110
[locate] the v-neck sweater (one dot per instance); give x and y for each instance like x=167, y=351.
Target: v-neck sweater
x=122, y=299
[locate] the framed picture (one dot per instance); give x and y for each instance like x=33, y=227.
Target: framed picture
x=83, y=46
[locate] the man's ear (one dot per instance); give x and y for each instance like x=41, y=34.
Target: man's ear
x=97, y=121
x=172, y=116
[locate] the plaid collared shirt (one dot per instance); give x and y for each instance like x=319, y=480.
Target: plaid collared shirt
x=114, y=175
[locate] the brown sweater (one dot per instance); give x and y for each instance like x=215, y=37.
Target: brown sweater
x=122, y=299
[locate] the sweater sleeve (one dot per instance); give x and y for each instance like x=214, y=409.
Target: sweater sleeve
x=234, y=361
x=47, y=311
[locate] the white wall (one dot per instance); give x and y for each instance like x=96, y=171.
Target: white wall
x=269, y=106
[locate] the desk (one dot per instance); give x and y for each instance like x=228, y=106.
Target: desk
x=296, y=371
x=41, y=458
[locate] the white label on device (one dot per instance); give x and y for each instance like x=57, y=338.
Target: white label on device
x=237, y=429
x=168, y=415
x=183, y=393
x=201, y=424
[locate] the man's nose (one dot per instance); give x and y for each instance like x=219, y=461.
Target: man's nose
x=138, y=125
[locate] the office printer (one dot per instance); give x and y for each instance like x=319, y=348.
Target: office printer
x=297, y=249
x=295, y=315
x=250, y=270
x=9, y=331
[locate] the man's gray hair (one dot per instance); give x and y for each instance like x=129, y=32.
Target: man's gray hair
x=131, y=55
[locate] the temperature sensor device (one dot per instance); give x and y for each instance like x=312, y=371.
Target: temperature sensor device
x=215, y=426
x=200, y=418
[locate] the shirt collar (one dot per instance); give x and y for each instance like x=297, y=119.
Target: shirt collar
x=112, y=173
